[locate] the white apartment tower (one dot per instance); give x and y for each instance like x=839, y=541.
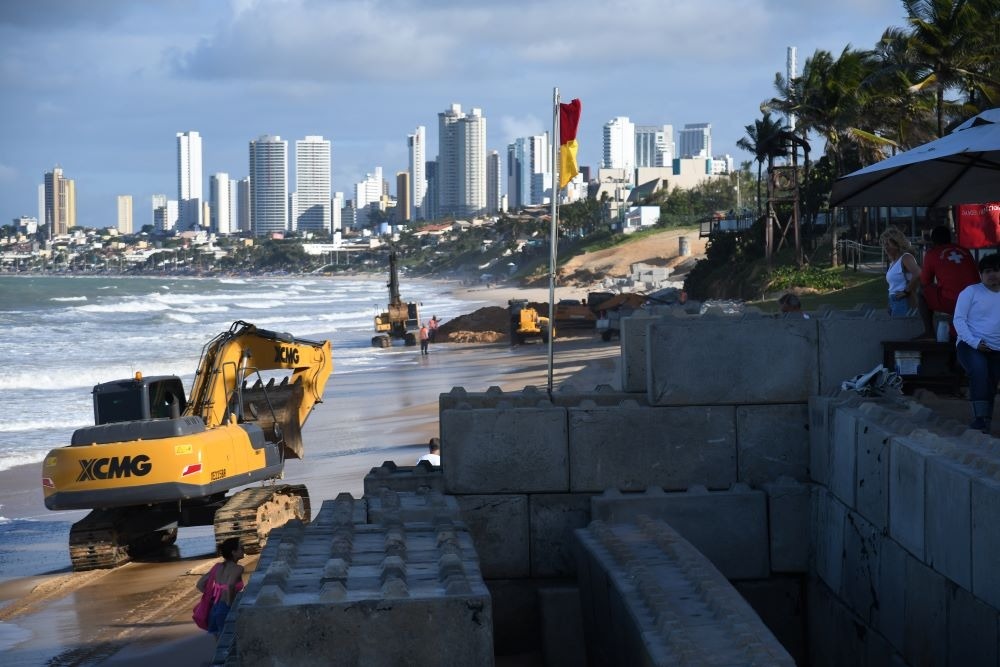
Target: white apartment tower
x=447, y=170
x=619, y=144
x=125, y=214
x=695, y=140
x=654, y=145
x=189, y=180
x=461, y=163
x=268, y=185
x=222, y=197
x=417, y=148
x=312, y=184
x=541, y=169
x=367, y=192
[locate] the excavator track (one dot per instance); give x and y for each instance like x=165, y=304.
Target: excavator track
x=251, y=514
x=108, y=538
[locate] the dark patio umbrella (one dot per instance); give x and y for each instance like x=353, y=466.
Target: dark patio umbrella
x=960, y=168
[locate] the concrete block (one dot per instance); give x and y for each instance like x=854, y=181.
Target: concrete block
x=925, y=626
x=986, y=540
x=828, y=537
x=667, y=604
x=948, y=520
x=788, y=512
x=859, y=584
x=972, y=630
x=498, y=525
x=728, y=527
x=712, y=361
x=634, y=352
x=843, y=454
x=563, y=643
x=891, y=591
x=631, y=447
x=553, y=518
x=772, y=441
x=391, y=508
x=336, y=592
x=834, y=639
x=850, y=345
x=872, y=478
x=404, y=478
x=493, y=398
x=516, y=450
x=907, y=462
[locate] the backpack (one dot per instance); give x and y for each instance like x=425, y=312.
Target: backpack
x=204, y=607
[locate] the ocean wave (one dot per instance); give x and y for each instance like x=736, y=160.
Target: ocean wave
x=86, y=376
x=68, y=298
x=10, y=460
x=183, y=318
x=38, y=424
x=123, y=307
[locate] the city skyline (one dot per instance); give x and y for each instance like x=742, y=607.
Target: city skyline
x=102, y=89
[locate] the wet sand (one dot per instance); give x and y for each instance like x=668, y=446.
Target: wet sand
x=141, y=612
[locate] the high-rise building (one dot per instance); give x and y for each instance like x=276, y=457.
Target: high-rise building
x=337, y=212
x=312, y=184
x=268, y=185
x=403, y=190
x=125, y=214
x=493, y=182
x=529, y=171
x=654, y=145
x=60, y=203
x=417, y=148
x=157, y=201
x=189, y=180
x=243, y=205
x=447, y=159
x=165, y=217
x=222, y=197
x=619, y=144
x=366, y=193
x=517, y=162
x=472, y=164
x=431, y=207
x=695, y=140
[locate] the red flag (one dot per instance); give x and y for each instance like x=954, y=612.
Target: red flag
x=569, y=119
x=978, y=225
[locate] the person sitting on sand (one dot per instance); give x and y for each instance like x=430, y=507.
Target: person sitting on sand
x=434, y=455
x=223, y=582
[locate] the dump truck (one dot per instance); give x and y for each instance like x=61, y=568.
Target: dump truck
x=156, y=459
x=526, y=323
x=399, y=321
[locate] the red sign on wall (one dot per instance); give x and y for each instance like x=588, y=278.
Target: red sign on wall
x=978, y=225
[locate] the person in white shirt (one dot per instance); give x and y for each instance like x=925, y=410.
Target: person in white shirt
x=977, y=322
x=434, y=455
x=903, y=275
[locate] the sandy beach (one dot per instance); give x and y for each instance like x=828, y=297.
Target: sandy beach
x=141, y=612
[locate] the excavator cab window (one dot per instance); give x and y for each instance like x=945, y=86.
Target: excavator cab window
x=166, y=399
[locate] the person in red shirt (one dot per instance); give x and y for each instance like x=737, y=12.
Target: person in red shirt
x=947, y=270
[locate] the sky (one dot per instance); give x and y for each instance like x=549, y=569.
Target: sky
x=102, y=87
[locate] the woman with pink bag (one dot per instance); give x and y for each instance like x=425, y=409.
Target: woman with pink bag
x=219, y=587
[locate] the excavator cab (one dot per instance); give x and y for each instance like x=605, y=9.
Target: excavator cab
x=139, y=399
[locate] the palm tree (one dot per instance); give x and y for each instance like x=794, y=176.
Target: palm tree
x=763, y=140
x=946, y=48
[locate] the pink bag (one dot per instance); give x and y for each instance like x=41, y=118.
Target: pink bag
x=204, y=607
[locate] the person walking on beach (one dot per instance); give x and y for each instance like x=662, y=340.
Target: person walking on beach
x=424, y=338
x=432, y=326
x=903, y=275
x=221, y=584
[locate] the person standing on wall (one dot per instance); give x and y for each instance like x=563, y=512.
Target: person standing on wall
x=977, y=322
x=947, y=270
x=424, y=338
x=903, y=275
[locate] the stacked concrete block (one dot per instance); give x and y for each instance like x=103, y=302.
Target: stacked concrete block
x=634, y=351
x=388, y=507
x=788, y=514
x=729, y=527
x=630, y=447
x=772, y=441
x=404, y=478
x=563, y=643
x=338, y=592
x=505, y=449
x=851, y=343
x=500, y=528
x=651, y=598
x=729, y=360
x=985, y=504
x=822, y=415
x=827, y=537
x=553, y=517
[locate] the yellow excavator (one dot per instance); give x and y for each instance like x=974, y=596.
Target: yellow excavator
x=155, y=460
x=400, y=320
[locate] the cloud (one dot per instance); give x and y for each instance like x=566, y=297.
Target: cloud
x=7, y=174
x=60, y=13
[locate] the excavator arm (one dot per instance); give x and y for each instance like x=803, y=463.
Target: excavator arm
x=230, y=383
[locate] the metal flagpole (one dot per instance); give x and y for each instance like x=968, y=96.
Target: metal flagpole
x=553, y=231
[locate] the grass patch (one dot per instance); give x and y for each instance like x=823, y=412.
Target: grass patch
x=869, y=288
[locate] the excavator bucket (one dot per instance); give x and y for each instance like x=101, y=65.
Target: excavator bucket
x=275, y=408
